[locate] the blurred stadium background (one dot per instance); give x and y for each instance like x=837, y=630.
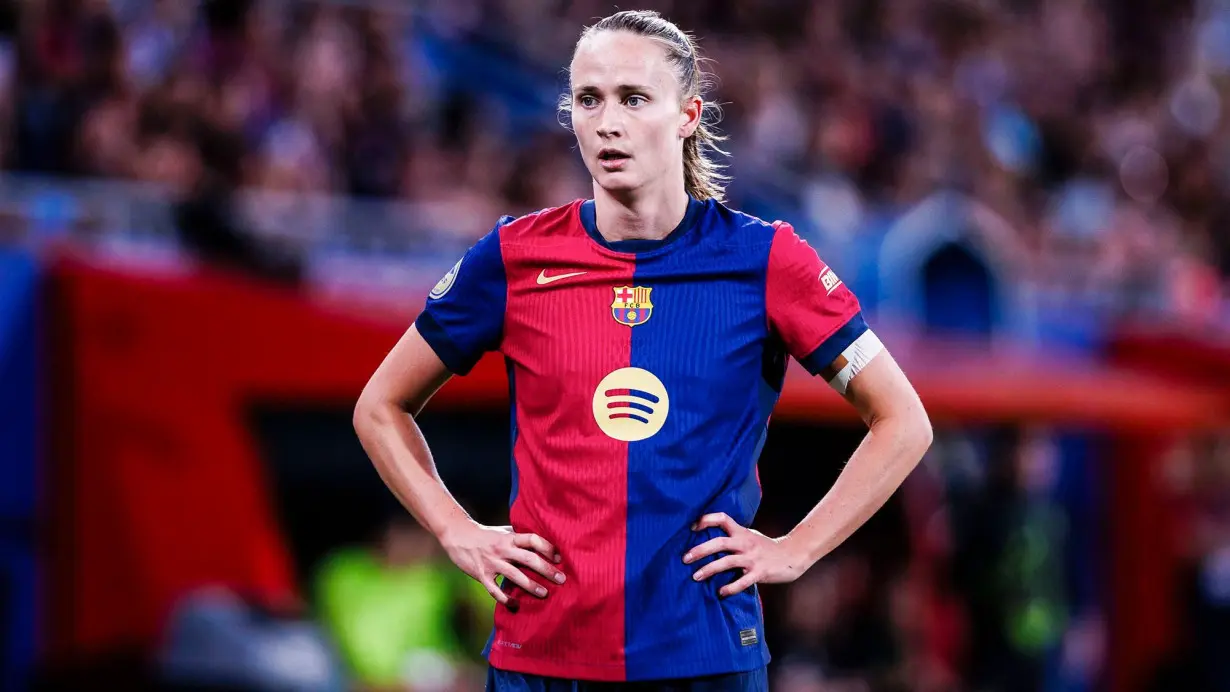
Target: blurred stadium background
x=215, y=218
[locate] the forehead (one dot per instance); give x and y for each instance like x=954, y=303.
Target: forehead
x=609, y=59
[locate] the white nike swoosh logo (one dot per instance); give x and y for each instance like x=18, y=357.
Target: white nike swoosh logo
x=544, y=279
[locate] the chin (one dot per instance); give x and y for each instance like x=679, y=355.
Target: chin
x=619, y=182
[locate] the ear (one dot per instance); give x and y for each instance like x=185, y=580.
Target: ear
x=689, y=116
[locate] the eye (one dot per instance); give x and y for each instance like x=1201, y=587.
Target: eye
x=587, y=101
x=635, y=101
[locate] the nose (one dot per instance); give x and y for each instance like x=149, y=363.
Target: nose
x=610, y=124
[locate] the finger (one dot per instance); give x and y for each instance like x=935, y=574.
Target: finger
x=709, y=547
x=738, y=585
x=518, y=577
x=719, y=520
x=533, y=541
x=535, y=562
x=717, y=566
x=488, y=582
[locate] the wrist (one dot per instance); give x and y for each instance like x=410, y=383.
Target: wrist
x=799, y=552
x=450, y=532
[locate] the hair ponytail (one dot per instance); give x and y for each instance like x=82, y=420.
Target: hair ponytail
x=702, y=176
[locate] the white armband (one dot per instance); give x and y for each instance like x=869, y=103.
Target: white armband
x=852, y=360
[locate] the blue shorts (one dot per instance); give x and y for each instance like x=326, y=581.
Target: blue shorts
x=751, y=681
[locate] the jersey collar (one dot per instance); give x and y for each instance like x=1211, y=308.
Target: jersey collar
x=590, y=223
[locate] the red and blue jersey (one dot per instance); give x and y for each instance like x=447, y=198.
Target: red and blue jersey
x=642, y=375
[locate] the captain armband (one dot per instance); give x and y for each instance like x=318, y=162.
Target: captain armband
x=852, y=360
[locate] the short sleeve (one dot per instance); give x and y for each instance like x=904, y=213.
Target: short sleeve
x=810, y=308
x=464, y=315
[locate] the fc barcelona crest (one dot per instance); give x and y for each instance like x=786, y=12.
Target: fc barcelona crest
x=632, y=306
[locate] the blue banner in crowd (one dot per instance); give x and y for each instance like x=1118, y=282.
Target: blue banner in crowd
x=19, y=446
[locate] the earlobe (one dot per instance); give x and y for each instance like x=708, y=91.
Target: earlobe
x=691, y=123
x=688, y=128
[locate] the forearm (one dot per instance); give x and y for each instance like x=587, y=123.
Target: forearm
x=887, y=455
x=395, y=444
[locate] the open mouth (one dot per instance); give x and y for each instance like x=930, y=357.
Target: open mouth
x=612, y=160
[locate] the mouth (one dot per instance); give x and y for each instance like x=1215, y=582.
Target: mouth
x=612, y=159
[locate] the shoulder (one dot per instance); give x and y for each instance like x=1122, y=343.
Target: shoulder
x=735, y=227
x=539, y=225
x=529, y=229
x=777, y=243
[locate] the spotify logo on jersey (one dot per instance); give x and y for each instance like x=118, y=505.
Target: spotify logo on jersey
x=631, y=404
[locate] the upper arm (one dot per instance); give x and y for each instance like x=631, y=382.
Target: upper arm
x=881, y=391
x=816, y=315
x=462, y=319
x=821, y=322
x=464, y=314
x=408, y=376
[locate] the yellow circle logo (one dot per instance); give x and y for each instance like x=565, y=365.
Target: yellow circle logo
x=631, y=404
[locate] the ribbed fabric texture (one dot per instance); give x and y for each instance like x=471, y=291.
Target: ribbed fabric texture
x=633, y=419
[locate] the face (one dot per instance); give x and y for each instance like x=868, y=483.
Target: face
x=629, y=118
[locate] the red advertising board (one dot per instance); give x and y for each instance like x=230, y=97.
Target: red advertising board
x=156, y=486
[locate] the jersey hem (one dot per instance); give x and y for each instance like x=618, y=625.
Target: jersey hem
x=832, y=345
x=617, y=672
x=446, y=349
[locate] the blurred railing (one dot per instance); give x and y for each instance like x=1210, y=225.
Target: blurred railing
x=394, y=250
x=342, y=243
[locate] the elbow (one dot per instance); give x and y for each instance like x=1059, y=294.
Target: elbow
x=925, y=435
x=910, y=428
x=368, y=412
x=919, y=432
x=911, y=431
x=362, y=417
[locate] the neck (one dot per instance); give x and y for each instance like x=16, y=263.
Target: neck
x=639, y=216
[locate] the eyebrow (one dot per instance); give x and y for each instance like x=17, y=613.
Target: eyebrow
x=622, y=88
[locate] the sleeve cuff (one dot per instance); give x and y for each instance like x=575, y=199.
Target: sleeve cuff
x=456, y=360
x=823, y=356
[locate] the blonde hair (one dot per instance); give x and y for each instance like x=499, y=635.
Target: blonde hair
x=702, y=176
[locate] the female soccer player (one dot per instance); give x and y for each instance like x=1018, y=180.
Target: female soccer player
x=646, y=334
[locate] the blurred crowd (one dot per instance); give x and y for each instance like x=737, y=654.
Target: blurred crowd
x=1093, y=133
x=1096, y=135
